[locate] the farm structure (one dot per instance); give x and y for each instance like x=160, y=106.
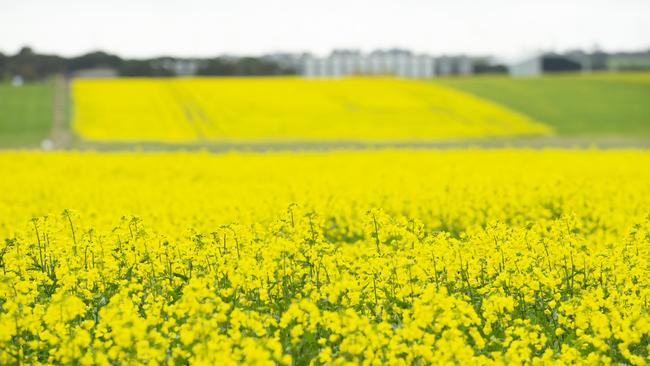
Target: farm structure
x=351, y=62
x=545, y=63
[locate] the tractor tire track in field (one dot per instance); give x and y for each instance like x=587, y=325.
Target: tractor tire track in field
x=194, y=114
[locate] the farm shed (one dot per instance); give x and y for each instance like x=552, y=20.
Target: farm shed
x=544, y=64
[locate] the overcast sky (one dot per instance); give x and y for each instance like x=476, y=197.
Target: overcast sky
x=143, y=28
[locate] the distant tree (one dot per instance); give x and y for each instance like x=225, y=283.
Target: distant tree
x=144, y=68
x=485, y=65
x=93, y=60
x=217, y=67
x=491, y=69
x=245, y=66
x=255, y=66
x=33, y=66
x=25, y=51
x=3, y=66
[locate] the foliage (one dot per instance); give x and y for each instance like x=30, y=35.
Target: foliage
x=3, y=66
x=93, y=60
x=245, y=66
x=143, y=68
x=385, y=257
x=33, y=66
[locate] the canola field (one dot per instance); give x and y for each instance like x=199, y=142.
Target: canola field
x=285, y=110
x=368, y=257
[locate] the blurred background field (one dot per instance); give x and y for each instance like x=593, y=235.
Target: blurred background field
x=598, y=104
x=566, y=109
x=25, y=114
x=321, y=77
x=286, y=110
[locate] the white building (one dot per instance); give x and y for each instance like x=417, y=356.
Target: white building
x=454, y=65
x=96, y=73
x=392, y=62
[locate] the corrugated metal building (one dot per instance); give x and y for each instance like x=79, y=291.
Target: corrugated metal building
x=543, y=64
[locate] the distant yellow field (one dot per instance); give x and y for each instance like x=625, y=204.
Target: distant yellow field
x=285, y=109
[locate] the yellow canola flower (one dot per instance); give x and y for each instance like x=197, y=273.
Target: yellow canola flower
x=63, y=308
x=277, y=109
x=376, y=257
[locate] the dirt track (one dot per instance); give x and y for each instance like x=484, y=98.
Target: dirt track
x=560, y=142
x=60, y=134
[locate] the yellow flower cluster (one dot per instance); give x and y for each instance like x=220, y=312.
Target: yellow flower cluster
x=257, y=110
x=376, y=257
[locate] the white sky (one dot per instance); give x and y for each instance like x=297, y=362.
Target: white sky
x=143, y=28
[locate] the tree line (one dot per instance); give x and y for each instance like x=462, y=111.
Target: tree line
x=31, y=65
